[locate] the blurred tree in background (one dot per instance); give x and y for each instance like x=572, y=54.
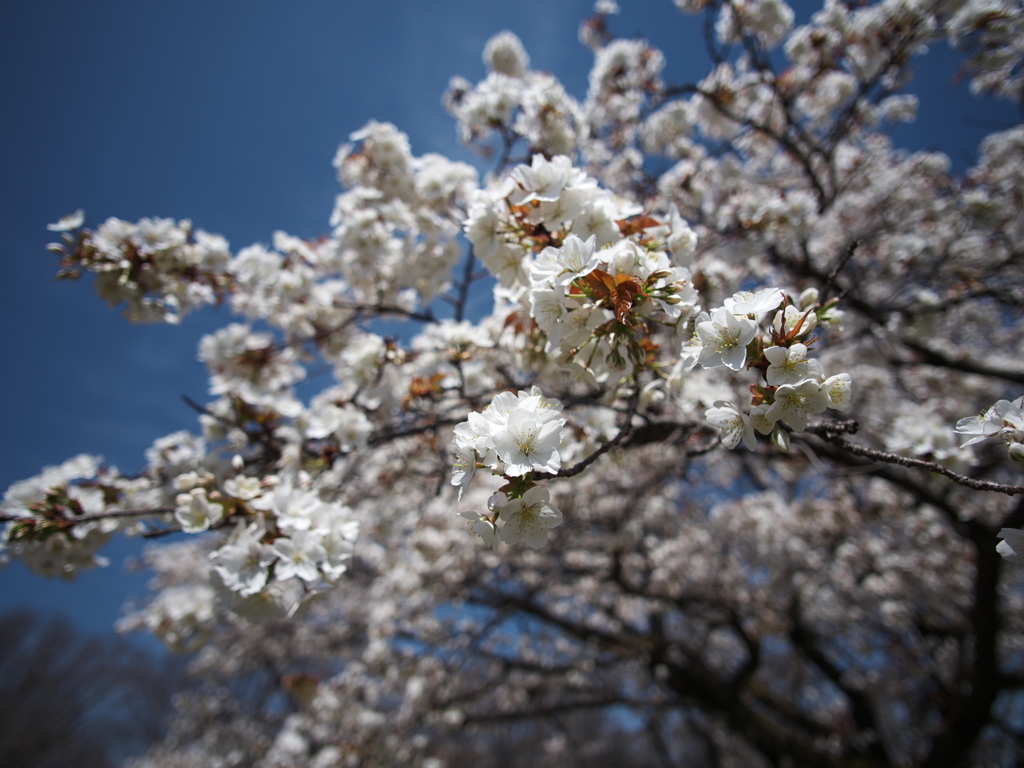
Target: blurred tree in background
x=68, y=699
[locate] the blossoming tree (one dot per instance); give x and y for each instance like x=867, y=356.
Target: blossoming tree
x=690, y=360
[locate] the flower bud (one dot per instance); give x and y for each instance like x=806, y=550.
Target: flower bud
x=781, y=439
x=808, y=298
x=1016, y=451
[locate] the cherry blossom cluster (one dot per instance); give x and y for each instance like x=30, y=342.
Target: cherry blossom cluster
x=396, y=226
x=991, y=32
x=582, y=267
x=767, y=332
x=515, y=101
x=516, y=435
x=279, y=544
x=41, y=535
x=287, y=542
x=1003, y=421
x=284, y=541
x=159, y=269
x=395, y=240
x=857, y=40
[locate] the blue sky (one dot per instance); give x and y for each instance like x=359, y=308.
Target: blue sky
x=229, y=113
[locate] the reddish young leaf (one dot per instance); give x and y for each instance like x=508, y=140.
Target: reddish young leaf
x=637, y=224
x=626, y=289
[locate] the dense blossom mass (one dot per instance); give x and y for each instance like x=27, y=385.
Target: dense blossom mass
x=645, y=279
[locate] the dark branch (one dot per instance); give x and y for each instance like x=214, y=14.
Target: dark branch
x=827, y=433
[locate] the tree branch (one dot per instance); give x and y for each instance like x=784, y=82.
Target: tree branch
x=624, y=430
x=67, y=522
x=830, y=434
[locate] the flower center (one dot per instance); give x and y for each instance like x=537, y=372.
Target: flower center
x=525, y=443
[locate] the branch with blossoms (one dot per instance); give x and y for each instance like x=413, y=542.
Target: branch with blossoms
x=833, y=434
x=382, y=310
x=57, y=518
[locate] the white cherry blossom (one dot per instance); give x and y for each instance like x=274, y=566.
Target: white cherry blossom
x=790, y=365
x=724, y=339
x=196, y=513
x=735, y=425
x=529, y=443
x=795, y=402
x=529, y=518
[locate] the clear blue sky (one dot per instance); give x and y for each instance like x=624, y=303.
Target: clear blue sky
x=229, y=113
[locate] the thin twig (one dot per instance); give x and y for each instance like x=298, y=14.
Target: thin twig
x=76, y=519
x=827, y=433
x=624, y=430
x=830, y=282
